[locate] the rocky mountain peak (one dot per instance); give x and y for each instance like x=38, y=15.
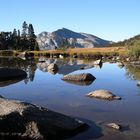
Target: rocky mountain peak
x=55, y=39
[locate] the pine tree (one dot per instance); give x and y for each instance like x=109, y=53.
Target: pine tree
x=24, y=29
x=13, y=39
x=18, y=33
x=32, y=38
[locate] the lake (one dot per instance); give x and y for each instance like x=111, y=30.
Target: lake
x=46, y=89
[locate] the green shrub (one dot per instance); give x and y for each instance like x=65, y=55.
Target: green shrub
x=135, y=49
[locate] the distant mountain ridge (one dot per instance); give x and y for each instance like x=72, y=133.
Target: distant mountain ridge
x=73, y=39
x=127, y=42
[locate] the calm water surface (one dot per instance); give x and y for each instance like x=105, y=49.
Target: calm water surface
x=47, y=89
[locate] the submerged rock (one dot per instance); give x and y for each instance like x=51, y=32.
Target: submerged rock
x=27, y=121
x=114, y=126
x=103, y=94
x=79, y=77
x=11, y=73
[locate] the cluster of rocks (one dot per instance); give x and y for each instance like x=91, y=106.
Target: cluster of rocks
x=24, y=120
x=21, y=120
x=99, y=94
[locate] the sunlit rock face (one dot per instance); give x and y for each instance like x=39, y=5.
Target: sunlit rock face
x=65, y=36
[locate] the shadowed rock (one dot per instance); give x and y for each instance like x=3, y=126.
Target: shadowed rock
x=79, y=77
x=11, y=73
x=27, y=121
x=103, y=94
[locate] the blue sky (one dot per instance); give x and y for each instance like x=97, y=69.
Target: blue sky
x=109, y=19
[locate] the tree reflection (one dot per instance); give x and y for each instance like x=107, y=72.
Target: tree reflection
x=29, y=66
x=133, y=72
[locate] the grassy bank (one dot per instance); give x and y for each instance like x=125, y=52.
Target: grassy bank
x=83, y=52
x=78, y=52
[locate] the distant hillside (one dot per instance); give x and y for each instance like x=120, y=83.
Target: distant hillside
x=127, y=42
x=132, y=45
x=67, y=38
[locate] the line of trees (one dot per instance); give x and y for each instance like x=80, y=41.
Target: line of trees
x=19, y=40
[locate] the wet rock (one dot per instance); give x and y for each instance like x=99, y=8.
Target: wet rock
x=79, y=77
x=27, y=121
x=127, y=59
x=114, y=126
x=103, y=94
x=22, y=55
x=120, y=64
x=52, y=67
x=98, y=62
x=61, y=56
x=117, y=58
x=11, y=73
x=75, y=56
x=138, y=84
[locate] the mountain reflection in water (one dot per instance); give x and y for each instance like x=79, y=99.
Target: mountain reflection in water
x=66, y=66
x=46, y=89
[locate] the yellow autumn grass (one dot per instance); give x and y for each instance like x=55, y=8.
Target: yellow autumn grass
x=85, y=51
x=78, y=51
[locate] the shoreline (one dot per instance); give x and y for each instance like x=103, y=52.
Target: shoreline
x=107, y=53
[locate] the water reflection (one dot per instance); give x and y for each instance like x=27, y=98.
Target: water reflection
x=29, y=66
x=66, y=66
x=80, y=83
x=9, y=82
x=133, y=72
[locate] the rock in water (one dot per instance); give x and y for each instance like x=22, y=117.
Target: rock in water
x=22, y=55
x=53, y=67
x=79, y=77
x=138, y=84
x=114, y=126
x=11, y=73
x=98, y=62
x=27, y=121
x=103, y=94
x=120, y=64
